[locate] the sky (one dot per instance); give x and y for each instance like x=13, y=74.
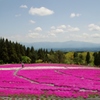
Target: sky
x=50, y=20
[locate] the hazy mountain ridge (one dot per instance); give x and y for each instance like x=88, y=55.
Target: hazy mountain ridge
x=67, y=44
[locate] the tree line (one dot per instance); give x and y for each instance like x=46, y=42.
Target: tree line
x=14, y=52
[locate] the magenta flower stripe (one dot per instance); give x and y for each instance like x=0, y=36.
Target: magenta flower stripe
x=62, y=81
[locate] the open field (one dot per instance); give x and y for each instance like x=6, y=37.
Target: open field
x=52, y=81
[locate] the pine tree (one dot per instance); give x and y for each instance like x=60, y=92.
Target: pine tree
x=88, y=58
x=75, y=54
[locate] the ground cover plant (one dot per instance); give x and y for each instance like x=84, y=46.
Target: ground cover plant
x=49, y=81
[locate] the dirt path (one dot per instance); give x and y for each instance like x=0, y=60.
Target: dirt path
x=31, y=81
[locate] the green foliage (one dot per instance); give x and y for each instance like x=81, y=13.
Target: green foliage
x=39, y=61
x=60, y=57
x=88, y=58
x=26, y=59
x=1, y=62
x=42, y=54
x=56, y=57
x=97, y=58
x=69, y=58
x=11, y=52
x=75, y=54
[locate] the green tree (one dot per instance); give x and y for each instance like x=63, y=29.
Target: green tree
x=4, y=55
x=57, y=57
x=75, y=54
x=81, y=59
x=33, y=55
x=88, y=58
x=28, y=52
x=26, y=59
x=76, y=58
x=97, y=58
x=42, y=54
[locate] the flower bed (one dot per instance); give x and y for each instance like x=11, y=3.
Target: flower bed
x=64, y=83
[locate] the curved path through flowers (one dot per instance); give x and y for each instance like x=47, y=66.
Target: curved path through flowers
x=32, y=81
x=56, y=70
x=63, y=80
x=22, y=77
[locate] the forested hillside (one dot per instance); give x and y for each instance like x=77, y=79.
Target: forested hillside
x=11, y=52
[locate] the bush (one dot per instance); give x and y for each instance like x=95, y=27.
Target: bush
x=39, y=61
x=1, y=62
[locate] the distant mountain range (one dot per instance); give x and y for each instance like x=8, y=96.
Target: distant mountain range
x=68, y=45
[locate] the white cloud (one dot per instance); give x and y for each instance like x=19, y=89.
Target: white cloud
x=72, y=29
x=93, y=27
x=59, y=30
x=33, y=35
x=53, y=27
x=77, y=15
x=40, y=11
x=85, y=35
x=62, y=29
x=30, y=31
x=53, y=32
x=23, y=6
x=96, y=35
x=56, y=33
x=17, y=15
x=79, y=36
x=62, y=26
x=72, y=15
x=38, y=29
x=36, y=35
x=31, y=21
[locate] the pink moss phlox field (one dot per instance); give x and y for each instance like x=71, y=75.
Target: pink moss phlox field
x=59, y=82
x=36, y=65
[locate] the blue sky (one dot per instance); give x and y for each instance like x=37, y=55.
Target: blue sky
x=50, y=20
